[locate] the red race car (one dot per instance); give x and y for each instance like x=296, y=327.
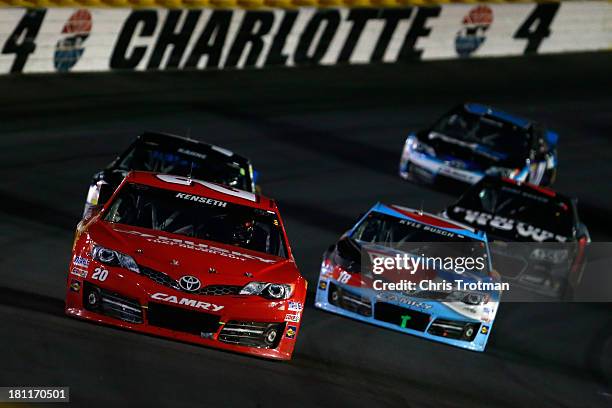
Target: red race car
x=190, y=260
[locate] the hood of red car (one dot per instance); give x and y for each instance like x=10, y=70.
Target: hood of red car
x=177, y=255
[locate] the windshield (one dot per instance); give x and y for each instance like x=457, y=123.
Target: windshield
x=215, y=167
x=198, y=217
x=550, y=213
x=416, y=238
x=487, y=131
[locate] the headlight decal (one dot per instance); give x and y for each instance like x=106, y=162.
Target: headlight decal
x=279, y=291
x=111, y=257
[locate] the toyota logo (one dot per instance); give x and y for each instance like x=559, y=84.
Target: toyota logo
x=189, y=283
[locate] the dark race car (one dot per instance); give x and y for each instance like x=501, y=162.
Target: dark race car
x=540, y=238
x=473, y=140
x=170, y=154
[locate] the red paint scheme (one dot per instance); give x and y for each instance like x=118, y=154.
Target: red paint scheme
x=137, y=243
x=544, y=190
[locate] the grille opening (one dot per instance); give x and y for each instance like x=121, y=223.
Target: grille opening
x=350, y=301
x=183, y=320
x=252, y=334
x=454, y=329
x=112, y=304
x=164, y=279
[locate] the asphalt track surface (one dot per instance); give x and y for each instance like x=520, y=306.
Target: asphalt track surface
x=327, y=142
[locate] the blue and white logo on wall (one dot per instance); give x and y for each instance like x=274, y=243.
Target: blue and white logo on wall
x=473, y=33
x=70, y=47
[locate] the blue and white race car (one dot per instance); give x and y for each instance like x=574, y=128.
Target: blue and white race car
x=473, y=140
x=442, y=304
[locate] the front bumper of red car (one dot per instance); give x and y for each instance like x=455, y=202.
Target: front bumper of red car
x=240, y=323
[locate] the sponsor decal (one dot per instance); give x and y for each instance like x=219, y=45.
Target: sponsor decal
x=404, y=321
x=429, y=228
x=75, y=285
x=70, y=48
x=181, y=243
x=186, y=302
x=192, y=153
x=484, y=329
x=480, y=218
x=458, y=164
x=230, y=191
x=463, y=175
x=473, y=33
x=79, y=272
x=202, y=200
x=322, y=285
x=291, y=331
x=292, y=317
x=295, y=306
x=81, y=262
x=487, y=314
x=403, y=300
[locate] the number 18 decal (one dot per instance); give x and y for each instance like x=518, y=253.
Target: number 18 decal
x=344, y=277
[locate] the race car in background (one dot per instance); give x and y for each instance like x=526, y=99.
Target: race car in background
x=538, y=238
x=472, y=141
x=346, y=285
x=170, y=154
x=190, y=260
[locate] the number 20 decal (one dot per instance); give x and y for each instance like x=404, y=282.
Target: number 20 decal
x=185, y=181
x=100, y=274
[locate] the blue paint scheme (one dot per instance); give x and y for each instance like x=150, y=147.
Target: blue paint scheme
x=482, y=110
x=552, y=138
x=255, y=176
x=435, y=309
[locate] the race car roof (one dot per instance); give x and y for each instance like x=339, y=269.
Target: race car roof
x=167, y=139
x=429, y=219
x=479, y=109
x=200, y=188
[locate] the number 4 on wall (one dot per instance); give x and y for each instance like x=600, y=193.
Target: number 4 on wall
x=22, y=41
x=537, y=26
